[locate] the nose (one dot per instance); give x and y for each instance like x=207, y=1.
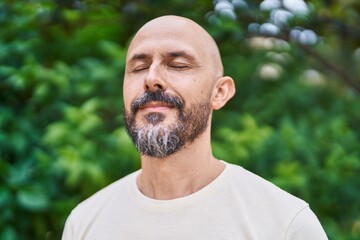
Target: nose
x=155, y=79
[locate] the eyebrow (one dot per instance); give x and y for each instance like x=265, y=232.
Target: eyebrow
x=172, y=54
x=139, y=56
x=183, y=54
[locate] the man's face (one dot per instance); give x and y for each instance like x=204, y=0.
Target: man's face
x=167, y=90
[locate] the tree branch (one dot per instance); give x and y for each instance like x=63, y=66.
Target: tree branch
x=344, y=76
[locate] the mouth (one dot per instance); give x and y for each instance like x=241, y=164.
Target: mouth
x=156, y=106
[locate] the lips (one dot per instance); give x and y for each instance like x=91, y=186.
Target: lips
x=156, y=107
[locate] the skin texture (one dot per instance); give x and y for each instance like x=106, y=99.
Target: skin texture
x=179, y=57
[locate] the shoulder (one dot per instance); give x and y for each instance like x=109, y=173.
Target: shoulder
x=115, y=192
x=97, y=208
x=114, y=189
x=277, y=207
x=257, y=186
x=305, y=225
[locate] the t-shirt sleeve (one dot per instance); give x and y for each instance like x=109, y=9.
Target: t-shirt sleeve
x=305, y=225
x=68, y=229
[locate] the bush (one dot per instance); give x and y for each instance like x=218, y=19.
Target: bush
x=293, y=121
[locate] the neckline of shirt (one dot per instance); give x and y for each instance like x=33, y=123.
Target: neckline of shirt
x=166, y=205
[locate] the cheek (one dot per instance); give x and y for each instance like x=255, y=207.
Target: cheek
x=130, y=93
x=126, y=97
x=202, y=83
x=185, y=85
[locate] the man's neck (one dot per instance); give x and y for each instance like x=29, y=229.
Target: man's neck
x=180, y=174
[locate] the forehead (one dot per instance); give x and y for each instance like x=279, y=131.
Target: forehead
x=162, y=38
x=164, y=47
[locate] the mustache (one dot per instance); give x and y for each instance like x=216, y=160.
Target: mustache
x=157, y=96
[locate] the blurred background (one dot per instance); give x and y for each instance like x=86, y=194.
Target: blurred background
x=295, y=119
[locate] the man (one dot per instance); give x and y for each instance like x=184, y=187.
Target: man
x=173, y=81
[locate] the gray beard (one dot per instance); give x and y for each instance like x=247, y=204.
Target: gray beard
x=157, y=139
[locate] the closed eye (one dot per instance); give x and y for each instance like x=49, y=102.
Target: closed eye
x=140, y=68
x=179, y=66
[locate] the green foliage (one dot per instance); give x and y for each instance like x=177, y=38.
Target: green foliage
x=293, y=121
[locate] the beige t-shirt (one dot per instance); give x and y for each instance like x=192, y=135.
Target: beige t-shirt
x=236, y=205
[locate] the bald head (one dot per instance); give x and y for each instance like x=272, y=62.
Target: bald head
x=183, y=30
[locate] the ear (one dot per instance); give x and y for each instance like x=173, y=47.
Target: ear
x=223, y=91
